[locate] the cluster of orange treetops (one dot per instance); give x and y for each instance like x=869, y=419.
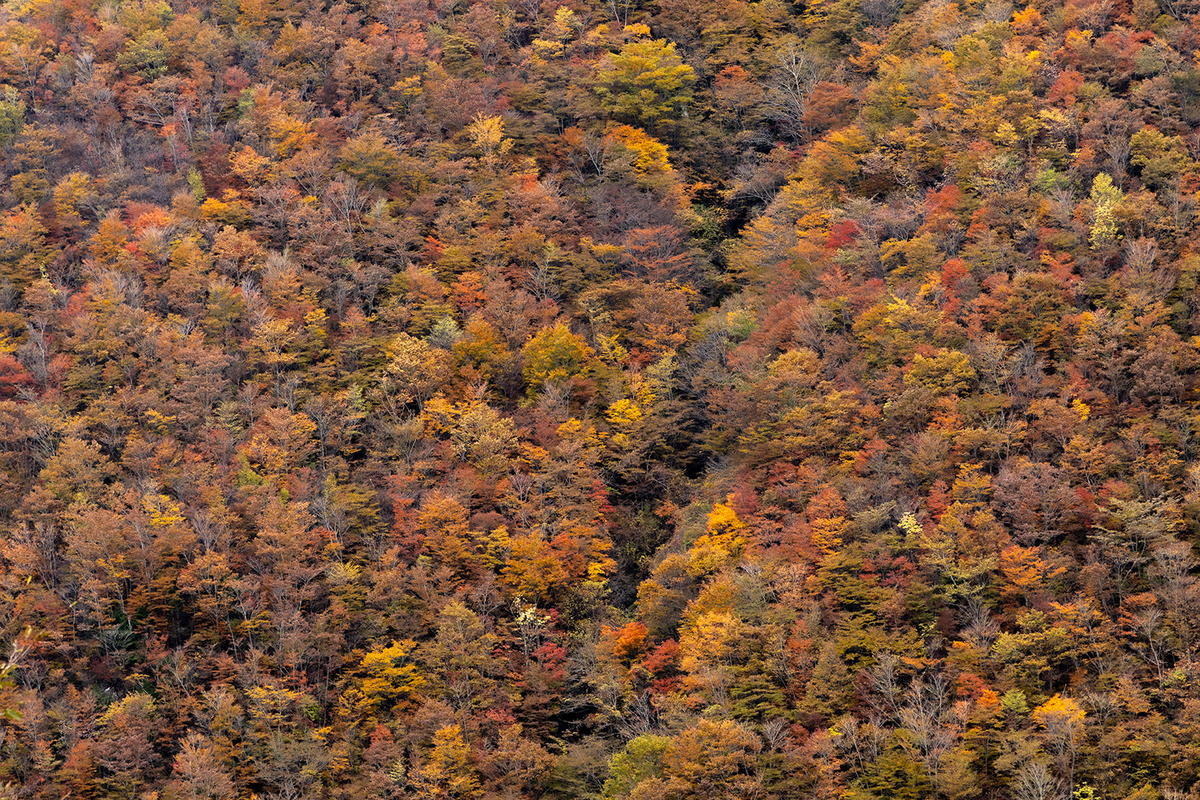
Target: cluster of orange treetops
x=656, y=399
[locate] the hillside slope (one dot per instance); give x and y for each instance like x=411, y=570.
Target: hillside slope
x=679, y=399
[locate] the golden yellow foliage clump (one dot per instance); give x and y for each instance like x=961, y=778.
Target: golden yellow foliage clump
x=721, y=542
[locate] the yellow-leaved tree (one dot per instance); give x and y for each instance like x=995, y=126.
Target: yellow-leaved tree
x=447, y=771
x=646, y=82
x=721, y=541
x=1061, y=720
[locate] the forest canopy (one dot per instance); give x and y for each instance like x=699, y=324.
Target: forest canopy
x=600, y=399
